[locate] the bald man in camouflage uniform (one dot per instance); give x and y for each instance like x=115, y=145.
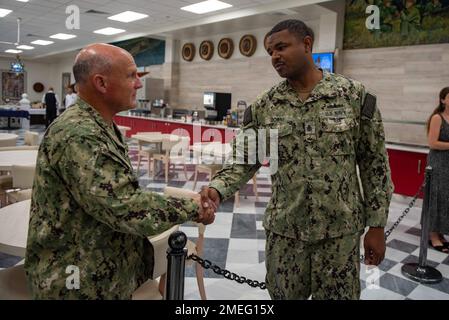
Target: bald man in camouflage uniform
x=326, y=126
x=88, y=212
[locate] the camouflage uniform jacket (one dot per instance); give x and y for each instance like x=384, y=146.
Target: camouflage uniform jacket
x=315, y=191
x=88, y=211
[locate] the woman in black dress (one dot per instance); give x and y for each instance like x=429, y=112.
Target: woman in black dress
x=438, y=159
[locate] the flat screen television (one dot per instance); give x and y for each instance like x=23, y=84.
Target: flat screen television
x=324, y=60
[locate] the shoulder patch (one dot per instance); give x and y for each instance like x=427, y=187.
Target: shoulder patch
x=248, y=116
x=369, y=106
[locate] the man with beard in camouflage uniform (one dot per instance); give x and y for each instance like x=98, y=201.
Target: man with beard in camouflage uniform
x=87, y=208
x=327, y=124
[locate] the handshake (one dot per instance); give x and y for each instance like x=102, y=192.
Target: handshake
x=208, y=200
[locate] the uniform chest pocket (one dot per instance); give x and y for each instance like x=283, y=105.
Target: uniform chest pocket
x=337, y=134
x=285, y=142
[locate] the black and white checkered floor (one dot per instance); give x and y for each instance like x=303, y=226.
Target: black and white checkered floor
x=236, y=241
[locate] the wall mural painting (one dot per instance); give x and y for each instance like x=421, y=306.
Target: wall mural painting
x=395, y=23
x=13, y=85
x=146, y=51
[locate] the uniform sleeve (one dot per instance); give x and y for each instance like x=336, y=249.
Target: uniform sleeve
x=243, y=163
x=374, y=168
x=102, y=183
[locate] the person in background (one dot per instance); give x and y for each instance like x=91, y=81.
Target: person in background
x=70, y=98
x=51, y=103
x=88, y=211
x=438, y=159
x=326, y=124
x=25, y=103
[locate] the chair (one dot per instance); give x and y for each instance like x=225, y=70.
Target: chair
x=18, y=148
x=237, y=194
x=196, y=248
x=153, y=289
x=167, y=158
x=5, y=184
x=10, y=142
x=211, y=170
x=22, y=183
x=13, y=284
x=144, y=151
x=31, y=138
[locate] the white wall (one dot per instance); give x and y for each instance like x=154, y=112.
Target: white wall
x=35, y=72
x=406, y=80
x=49, y=73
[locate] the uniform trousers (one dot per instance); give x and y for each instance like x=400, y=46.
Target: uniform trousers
x=326, y=269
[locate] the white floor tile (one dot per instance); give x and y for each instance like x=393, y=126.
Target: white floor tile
x=432, y=255
x=380, y=294
x=444, y=269
x=190, y=231
x=397, y=271
x=425, y=293
x=261, y=245
x=243, y=256
x=395, y=255
x=243, y=244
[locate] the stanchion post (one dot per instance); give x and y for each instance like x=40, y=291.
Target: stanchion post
x=425, y=218
x=420, y=271
x=176, y=256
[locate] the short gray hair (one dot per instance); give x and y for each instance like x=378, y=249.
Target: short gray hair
x=85, y=65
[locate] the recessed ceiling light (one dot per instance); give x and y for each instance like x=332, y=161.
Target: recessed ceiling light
x=109, y=31
x=128, y=16
x=63, y=36
x=4, y=12
x=206, y=6
x=42, y=42
x=22, y=0
x=25, y=47
x=13, y=51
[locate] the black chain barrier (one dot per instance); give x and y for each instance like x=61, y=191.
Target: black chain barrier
x=206, y=264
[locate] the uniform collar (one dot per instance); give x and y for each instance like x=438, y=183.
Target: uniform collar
x=325, y=88
x=112, y=131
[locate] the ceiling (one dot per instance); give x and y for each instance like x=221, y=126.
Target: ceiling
x=42, y=18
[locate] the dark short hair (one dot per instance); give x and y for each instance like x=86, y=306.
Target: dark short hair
x=295, y=27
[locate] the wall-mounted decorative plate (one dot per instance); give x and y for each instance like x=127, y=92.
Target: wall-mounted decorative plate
x=38, y=87
x=188, y=51
x=248, y=45
x=206, y=50
x=225, y=48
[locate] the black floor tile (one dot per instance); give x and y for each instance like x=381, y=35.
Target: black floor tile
x=259, y=204
x=397, y=284
x=244, y=226
x=402, y=246
x=387, y=264
x=414, y=231
x=261, y=256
